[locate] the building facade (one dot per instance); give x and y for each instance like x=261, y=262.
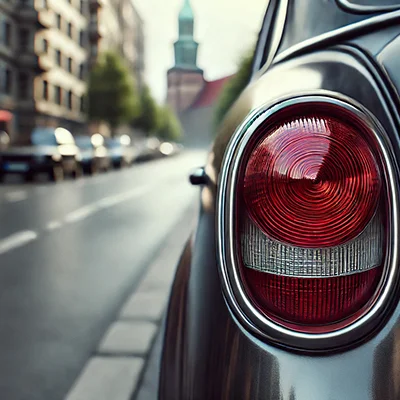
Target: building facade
x=42, y=64
x=189, y=94
x=116, y=25
x=47, y=48
x=185, y=78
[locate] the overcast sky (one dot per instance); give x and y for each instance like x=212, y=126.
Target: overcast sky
x=224, y=28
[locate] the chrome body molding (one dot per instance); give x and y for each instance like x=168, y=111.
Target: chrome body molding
x=240, y=304
x=344, y=33
x=274, y=41
x=350, y=6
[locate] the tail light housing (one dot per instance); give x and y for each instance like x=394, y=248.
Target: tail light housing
x=306, y=220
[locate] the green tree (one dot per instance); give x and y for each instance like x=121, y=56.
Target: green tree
x=111, y=92
x=234, y=88
x=169, y=127
x=148, y=118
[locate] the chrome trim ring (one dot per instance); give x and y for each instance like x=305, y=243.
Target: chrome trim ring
x=239, y=303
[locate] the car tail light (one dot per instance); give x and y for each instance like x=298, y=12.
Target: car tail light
x=312, y=221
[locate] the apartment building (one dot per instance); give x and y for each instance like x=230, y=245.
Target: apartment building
x=46, y=50
x=116, y=25
x=43, y=53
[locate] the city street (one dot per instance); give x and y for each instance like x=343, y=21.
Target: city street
x=70, y=255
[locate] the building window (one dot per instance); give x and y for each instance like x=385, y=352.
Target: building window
x=58, y=58
x=81, y=71
x=94, y=18
x=45, y=90
x=69, y=100
x=58, y=18
x=69, y=29
x=8, y=81
x=24, y=36
x=82, y=105
x=82, y=38
x=69, y=65
x=45, y=46
x=93, y=50
x=23, y=85
x=58, y=95
x=7, y=34
x=82, y=7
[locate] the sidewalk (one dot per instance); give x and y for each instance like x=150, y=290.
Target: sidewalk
x=122, y=368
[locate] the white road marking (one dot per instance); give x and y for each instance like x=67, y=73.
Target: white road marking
x=81, y=213
x=107, y=202
x=53, y=225
x=14, y=197
x=16, y=240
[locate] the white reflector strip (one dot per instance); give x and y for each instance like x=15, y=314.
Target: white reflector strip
x=266, y=255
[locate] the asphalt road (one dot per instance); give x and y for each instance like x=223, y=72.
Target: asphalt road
x=70, y=254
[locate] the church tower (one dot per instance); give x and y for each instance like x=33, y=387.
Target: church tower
x=185, y=79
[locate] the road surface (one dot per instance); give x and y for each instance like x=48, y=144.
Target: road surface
x=70, y=253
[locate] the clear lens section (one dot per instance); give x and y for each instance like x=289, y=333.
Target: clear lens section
x=265, y=255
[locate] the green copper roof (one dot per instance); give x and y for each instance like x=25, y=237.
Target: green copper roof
x=187, y=11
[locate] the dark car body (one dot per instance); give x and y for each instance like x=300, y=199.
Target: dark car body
x=216, y=345
x=53, y=151
x=94, y=154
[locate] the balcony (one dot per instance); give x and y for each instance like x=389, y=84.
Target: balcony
x=6, y=52
x=96, y=30
x=7, y=6
x=46, y=62
x=46, y=18
x=28, y=59
x=27, y=13
x=95, y=4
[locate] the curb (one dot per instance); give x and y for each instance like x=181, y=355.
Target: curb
x=117, y=369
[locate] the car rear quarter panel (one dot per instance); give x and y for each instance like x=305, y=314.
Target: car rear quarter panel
x=207, y=353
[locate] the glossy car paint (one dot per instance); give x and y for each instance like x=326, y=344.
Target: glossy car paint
x=208, y=352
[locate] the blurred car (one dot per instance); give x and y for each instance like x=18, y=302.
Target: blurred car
x=170, y=148
x=53, y=151
x=94, y=154
x=4, y=140
x=121, y=151
x=152, y=148
x=289, y=286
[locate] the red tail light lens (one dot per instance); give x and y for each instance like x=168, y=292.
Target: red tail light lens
x=312, y=182
x=312, y=232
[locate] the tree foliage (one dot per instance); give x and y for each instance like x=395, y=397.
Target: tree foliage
x=148, y=118
x=111, y=92
x=169, y=126
x=234, y=88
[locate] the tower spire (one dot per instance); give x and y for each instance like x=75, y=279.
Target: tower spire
x=186, y=47
x=185, y=78
x=186, y=11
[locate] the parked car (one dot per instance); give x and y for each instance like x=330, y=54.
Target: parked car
x=94, y=154
x=289, y=288
x=52, y=151
x=170, y=148
x=121, y=151
x=4, y=140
